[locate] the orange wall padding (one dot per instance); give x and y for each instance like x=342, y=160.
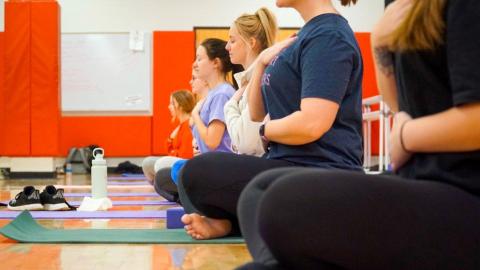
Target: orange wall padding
x=120, y=135
x=45, y=101
x=50, y=134
x=16, y=91
x=2, y=80
x=173, y=55
x=369, y=81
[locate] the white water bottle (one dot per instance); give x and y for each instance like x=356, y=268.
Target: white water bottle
x=99, y=174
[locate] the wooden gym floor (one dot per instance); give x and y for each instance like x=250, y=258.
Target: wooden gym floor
x=18, y=256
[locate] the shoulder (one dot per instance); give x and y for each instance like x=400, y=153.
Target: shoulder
x=463, y=8
x=224, y=90
x=464, y=5
x=328, y=36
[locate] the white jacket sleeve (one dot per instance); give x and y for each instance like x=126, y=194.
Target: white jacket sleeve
x=243, y=131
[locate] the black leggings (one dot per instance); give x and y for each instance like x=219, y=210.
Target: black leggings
x=213, y=182
x=165, y=186
x=318, y=219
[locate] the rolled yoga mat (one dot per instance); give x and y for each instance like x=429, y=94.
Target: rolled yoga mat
x=25, y=229
x=87, y=215
x=113, y=194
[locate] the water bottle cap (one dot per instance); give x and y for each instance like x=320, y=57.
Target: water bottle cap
x=98, y=157
x=98, y=153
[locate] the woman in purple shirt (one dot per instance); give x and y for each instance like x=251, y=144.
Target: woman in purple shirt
x=211, y=65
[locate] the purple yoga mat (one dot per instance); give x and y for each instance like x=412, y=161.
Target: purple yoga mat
x=133, y=175
x=125, y=178
x=137, y=183
x=86, y=215
x=120, y=194
x=119, y=203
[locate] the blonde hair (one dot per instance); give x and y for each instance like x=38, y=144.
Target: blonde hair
x=262, y=26
x=422, y=29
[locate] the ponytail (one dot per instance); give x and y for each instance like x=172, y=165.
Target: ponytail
x=261, y=26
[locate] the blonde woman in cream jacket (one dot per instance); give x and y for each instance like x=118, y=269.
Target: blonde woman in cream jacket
x=248, y=36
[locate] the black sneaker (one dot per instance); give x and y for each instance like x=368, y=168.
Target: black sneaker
x=28, y=199
x=52, y=199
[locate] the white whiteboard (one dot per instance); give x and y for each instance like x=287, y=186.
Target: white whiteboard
x=101, y=75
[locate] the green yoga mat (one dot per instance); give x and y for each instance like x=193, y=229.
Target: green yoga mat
x=25, y=229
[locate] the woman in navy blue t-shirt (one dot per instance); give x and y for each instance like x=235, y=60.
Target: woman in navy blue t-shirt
x=310, y=85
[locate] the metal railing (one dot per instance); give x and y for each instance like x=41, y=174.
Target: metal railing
x=384, y=116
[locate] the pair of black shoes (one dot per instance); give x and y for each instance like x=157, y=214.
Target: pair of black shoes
x=31, y=199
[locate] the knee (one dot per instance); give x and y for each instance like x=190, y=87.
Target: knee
x=255, y=189
x=282, y=206
x=148, y=162
x=164, y=185
x=246, y=200
x=162, y=178
x=252, y=192
x=148, y=167
x=305, y=200
x=165, y=162
x=195, y=169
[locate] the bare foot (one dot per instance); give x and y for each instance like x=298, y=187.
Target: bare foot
x=201, y=227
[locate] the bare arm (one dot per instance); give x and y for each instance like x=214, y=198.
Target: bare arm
x=255, y=99
x=385, y=76
x=211, y=134
x=454, y=130
x=304, y=126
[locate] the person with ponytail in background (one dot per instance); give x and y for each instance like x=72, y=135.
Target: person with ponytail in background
x=212, y=66
x=249, y=35
x=210, y=69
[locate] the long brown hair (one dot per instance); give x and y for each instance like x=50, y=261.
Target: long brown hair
x=422, y=29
